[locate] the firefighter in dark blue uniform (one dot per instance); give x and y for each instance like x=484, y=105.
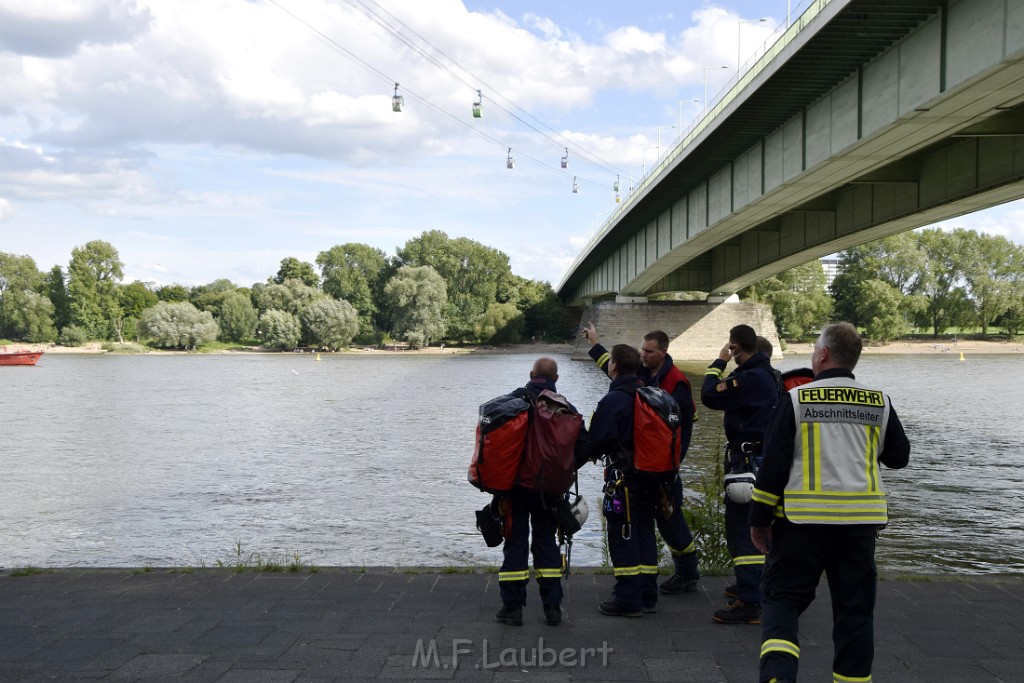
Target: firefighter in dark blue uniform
x=629, y=501
x=748, y=397
x=522, y=509
x=827, y=524
x=658, y=370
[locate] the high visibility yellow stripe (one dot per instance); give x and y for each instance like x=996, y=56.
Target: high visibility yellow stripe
x=779, y=645
x=745, y=560
x=627, y=571
x=648, y=569
x=834, y=496
x=713, y=371
x=549, y=573
x=514, y=576
x=685, y=551
x=874, y=434
x=602, y=359
x=836, y=678
x=765, y=497
x=877, y=518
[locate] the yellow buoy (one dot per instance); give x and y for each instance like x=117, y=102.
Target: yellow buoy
x=318, y=356
x=961, y=355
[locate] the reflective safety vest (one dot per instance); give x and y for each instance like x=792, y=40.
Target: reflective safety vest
x=840, y=429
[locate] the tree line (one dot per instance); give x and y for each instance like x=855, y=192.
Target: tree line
x=435, y=288
x=929, y=280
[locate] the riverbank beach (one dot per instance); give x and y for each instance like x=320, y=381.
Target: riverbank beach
x=899, y=347
x=381, y=624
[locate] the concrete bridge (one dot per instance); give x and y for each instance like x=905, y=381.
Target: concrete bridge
x=865, y=119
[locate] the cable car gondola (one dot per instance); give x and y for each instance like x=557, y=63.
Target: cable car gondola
x=510, y=163
x=565, y=159
x=398, y=101
x=478, y=106
x=575, y=186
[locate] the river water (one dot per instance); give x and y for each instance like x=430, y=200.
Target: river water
x=361, y=459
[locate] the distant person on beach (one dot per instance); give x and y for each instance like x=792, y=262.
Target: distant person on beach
x=657, y=369
x=818, y=504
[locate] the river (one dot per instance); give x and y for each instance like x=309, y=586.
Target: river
x=360, y=459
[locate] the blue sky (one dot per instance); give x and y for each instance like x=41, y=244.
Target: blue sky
x=213, y=138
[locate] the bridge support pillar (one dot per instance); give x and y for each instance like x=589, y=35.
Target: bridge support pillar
x=696, y=330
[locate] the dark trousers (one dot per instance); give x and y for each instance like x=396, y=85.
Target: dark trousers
x=798, y=556
x=676, y=532
x=526, y=509
x=633, y=546
x=747, y=560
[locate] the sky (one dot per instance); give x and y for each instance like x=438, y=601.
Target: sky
x=209, y=139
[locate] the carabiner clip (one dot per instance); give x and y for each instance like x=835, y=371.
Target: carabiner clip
x=627, y=532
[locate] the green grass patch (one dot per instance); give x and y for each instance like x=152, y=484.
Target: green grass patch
x=125, y=348
x=30, y=571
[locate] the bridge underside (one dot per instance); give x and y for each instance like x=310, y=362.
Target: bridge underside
x=919, y=118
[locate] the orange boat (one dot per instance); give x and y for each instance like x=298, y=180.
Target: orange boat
x=19, y=357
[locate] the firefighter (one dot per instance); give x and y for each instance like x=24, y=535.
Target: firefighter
x=818, y=504
x=658, y=370
x=521, y=510
x=748, y=397
x=629, y=499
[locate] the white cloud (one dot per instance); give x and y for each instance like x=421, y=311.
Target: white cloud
x=6, y=210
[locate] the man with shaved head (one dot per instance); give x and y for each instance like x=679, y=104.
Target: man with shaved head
x=521, y=510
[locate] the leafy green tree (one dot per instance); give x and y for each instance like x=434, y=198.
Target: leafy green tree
x=544, y=314
x=501, y=324
x=73, y=335
x=280, y=329
x=133, y=299
x=470, y=270
x=173, y=293
x=797, y=297
x=292, y=296
x=294, y=269
x=238, y=317
x=93, y=274
x=18, y=276
x=31, y=317
x=178, y=325
x=330, y=323
x=56, y=290
x=897, y=260
x=417, y=297
x=356, y=273
x=947, y=301
x=211, y=297
x=988, y=264
x=881, y=310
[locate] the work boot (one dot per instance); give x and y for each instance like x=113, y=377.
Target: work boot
x=739, y=612
x=677, y=583
x=511, y=615
x=730, y=591
x=552, y=615
x=614, y=609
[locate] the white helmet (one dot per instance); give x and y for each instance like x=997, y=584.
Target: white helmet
x=739, y=486
x=580, y=510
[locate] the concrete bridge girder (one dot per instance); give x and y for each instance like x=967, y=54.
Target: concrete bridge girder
x=905, y=140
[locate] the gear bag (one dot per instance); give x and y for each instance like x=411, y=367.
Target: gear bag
x=656, y=432
x=548, y=465
x=500, y=439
